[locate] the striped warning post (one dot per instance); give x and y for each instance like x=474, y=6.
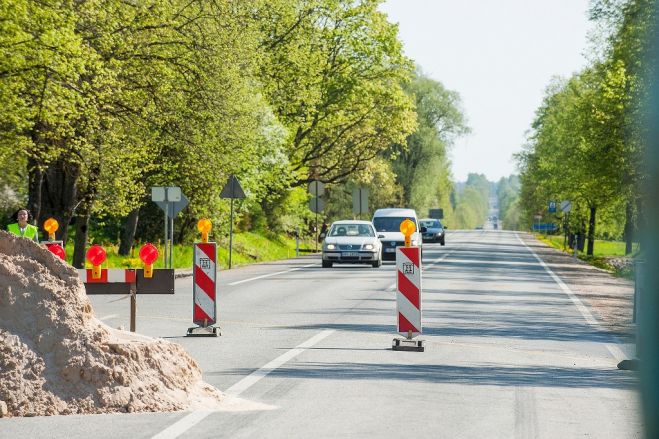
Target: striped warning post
x=204, y=284
x=408, y=286
x=108, y=276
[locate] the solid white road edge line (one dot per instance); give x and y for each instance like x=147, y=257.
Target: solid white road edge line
x=192, y=419
x=614, y=349
x=268, y=275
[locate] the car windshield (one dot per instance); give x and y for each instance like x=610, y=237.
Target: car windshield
x=351, y=230
x=390, y=223
x=430, y=224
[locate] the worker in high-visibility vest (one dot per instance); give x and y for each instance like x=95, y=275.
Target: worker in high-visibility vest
x=22, y=228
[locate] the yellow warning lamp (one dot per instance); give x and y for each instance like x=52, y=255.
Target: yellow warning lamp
x=148, y=255
x=204, y=226
x=407, y=228
x=51, y=225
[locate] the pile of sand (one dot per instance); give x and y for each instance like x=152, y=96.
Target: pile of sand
x=57, y=358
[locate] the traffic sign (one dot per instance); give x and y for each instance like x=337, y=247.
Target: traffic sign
x=566, y=206
x=359, y=201
x=173, y=208
x=232, y=189
x=552, y=207
x=436, y=213
x=316, y=204
x=316, y=188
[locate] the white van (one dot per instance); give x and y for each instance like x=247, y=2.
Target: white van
x=387, y=224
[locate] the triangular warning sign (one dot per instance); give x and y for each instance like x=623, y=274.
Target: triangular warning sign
x=232, y=189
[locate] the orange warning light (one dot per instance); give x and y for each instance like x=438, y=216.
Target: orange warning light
x=148, y=255
x=407, y=228
x=204, y=226
x=51, y=225
x=96, y=256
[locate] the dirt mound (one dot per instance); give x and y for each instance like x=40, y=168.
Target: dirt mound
x=57, y=358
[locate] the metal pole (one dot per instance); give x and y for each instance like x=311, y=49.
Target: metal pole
x=576, y=244
x=316, y=230
x=171, y=243
x=231, y=229
x=133, y=307
x=166, y=232
x=297, y=243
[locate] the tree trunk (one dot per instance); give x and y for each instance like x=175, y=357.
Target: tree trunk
x=35, y=181
x=128, y=232
x=629, y=227
x=82, y=227
x=59, y=195
x=591, y=230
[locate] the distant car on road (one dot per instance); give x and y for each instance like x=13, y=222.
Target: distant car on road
x=434, y=230
x=387, y=223
x=352, y=242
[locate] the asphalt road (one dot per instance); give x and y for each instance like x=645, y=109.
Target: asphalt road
x=510, y=353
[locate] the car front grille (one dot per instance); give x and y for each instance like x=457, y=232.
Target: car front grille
x=349, y=247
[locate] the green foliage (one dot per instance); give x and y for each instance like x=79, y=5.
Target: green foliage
x=472, y=202
x=508, y=196
x=247, y=248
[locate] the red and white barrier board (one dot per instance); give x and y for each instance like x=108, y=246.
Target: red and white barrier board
x=108, y=276
x=204, y=284
x=408, y=286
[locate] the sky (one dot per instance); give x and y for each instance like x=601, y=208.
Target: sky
x=499, y=55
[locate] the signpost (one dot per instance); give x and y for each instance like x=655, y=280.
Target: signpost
x=171, y=200
x=552, y=207
x=360, y=201
x=436, y=214
x=316, y=204
x=566, y=207
x=232, y=189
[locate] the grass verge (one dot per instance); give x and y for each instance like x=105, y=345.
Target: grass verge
x=605, y=253
x=248, y=248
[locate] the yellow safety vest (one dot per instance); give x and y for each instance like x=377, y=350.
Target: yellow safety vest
x=30, y=231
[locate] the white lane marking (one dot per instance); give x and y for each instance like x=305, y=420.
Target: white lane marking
x=192, y=419
x=255, y=376
x=269, y=275
x=392, y=287
x=615, y=350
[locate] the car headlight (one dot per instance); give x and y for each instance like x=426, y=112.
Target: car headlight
x=415, y=242
x=330, y=246
x=368, y=246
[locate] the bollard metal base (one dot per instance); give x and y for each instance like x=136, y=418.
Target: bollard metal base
x=633, y=364
x=405, y=344
x=204, y=331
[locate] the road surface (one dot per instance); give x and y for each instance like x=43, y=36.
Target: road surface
x=510, y=353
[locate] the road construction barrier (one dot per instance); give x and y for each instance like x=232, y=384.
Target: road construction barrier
x=408, y=292
x=126, y=281
x=204, y=289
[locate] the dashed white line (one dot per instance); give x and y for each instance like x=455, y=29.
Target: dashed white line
x=269, y=275
x=187, y=422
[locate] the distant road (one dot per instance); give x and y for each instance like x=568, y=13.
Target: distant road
x=509, y=354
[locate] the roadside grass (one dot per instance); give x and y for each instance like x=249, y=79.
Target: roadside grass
x=603, y=254
x=248, y=248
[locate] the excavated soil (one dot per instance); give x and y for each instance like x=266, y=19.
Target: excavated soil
x=56, y=357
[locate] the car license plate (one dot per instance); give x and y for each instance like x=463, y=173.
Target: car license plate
x=390, y=249
x=349, y=254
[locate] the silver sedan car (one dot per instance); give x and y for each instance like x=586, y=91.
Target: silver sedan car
x=352, y=242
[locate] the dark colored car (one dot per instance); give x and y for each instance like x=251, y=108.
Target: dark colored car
x=434, y=230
